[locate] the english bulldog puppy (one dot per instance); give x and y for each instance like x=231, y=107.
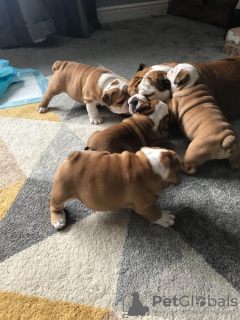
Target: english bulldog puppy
x=201, y=120
x=143, y=129
x=104, y=181
x=89, y=85
x=151, y=82
x=222, y=78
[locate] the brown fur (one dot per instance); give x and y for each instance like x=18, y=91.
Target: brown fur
x=80, y=82
x=130, y=135
x=136, y=79
x=222, y=78
x=153, y=77
x=104, y=181
x=204, y=124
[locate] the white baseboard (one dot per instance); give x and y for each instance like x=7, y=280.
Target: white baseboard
x=132, y=11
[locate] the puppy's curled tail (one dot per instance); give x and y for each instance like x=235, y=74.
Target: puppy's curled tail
x=229, y=144
x=58, y=64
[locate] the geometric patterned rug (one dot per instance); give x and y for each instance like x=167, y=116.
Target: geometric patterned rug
x=110, y=265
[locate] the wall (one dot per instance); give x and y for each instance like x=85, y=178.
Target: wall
x=117, y=10
x=106, y=3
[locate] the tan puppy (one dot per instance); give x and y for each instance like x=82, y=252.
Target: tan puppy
x=143, y=129
x=89, y=85
x=104, y=182
x=222, y=78
x=151, y=82
x=200, y=120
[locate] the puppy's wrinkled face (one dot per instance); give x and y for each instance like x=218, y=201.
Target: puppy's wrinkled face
x=184, y=75
x=156, y=110
x=165, y=163
x=135, y=102
x=151, y=82
x=116, y=97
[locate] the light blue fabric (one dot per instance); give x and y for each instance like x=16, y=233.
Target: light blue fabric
x=10, y=75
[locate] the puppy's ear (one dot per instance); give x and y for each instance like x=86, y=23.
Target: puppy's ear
x=124, y=86
x=182, y=78
x=141, y=67
x=107, y=97
x=133, y=85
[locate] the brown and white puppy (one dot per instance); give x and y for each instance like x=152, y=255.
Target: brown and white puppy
x=143, y=129
x=222, y=78
x=200, y=119
x=104, y=182
x=88, y=85
x=151, y=82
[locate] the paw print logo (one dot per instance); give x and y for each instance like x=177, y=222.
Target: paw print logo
x=200, y=300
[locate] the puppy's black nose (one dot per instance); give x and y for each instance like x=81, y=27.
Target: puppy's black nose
x=134, y=104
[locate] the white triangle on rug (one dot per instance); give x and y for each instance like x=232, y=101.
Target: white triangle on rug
x=79, y=264
x=27, y=139
x=190, y=276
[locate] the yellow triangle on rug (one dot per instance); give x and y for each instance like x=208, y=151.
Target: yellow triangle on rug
x=7, y=196
x=16, y=306
x=29, y=111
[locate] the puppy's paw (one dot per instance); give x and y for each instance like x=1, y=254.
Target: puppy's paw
x=166, y=220
x=58, y=221
x=188, y=169
x=42, y=109
x=96, y=120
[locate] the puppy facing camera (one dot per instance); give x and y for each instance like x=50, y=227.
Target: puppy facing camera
x=135, y=101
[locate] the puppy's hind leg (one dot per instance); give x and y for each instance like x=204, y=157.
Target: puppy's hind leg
x=59, y=196
x=58, y=217
x=197, y=153
x=53, y=89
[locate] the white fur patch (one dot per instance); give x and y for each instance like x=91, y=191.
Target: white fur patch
x=93, y=112
x=115, y=109
x=120, y=85
x=160, y=67
x=194, y=75
x=166, y=220
x=138, y=97
x=105, y=79
x=153, y=156
x=161, y=110
x=59, y=224
x=140, y=100
x=146, y=89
